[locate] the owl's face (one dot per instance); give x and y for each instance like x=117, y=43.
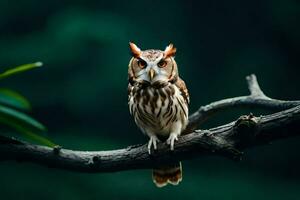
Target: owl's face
x=152, y=66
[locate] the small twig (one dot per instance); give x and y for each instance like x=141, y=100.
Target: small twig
x=254, y=88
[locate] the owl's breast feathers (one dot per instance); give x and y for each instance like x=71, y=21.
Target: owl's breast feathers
x=156, y=107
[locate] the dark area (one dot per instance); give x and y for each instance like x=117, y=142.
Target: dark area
x=80, y=93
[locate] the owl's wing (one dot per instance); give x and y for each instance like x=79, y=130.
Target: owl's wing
x=184, y=91
x=129, y=89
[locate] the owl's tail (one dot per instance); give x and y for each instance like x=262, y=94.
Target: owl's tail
x=167, y=174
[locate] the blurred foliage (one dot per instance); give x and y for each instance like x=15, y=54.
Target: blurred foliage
x=20, y=69
x=10, y=104
x=81, y=95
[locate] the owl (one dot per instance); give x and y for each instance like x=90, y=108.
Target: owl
x=158, y=101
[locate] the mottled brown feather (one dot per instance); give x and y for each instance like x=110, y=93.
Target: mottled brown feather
x=183, y=89
x=169, y=51
x=135, y=51
x=167, y=174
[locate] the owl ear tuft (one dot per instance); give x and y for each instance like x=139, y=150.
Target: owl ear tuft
x=169, y=51
x=135, y=51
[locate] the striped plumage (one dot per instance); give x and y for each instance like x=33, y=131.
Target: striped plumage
x=158, y=101
x=156, y=109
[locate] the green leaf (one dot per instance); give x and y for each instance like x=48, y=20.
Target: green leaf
x=27, y=133
x=19, y=117
x=20, y=69
x=38, y=138
x=21, y=122
x=24, y=124
x=13, y=99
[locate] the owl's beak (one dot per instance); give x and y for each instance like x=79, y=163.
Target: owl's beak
x=151, y=74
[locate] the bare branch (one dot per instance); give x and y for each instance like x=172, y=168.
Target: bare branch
x=256, y=98
x=227, y=140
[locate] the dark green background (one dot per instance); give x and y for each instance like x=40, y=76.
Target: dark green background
x=81, y=92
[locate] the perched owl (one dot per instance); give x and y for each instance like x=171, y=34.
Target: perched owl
x=158, y=100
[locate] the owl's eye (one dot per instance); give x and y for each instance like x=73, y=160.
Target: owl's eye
x=162, y=63
x=142, y=64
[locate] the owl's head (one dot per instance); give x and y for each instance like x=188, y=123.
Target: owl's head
x=152, y=66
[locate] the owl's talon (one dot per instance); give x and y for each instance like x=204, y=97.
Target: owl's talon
x=153, y=141
x=172, y=138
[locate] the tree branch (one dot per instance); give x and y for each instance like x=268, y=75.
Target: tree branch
x=256, y=98
x=227, y=140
